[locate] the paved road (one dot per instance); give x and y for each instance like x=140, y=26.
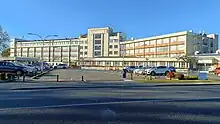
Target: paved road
x=112, y=105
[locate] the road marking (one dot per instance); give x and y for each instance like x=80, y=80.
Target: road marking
x=103, y=103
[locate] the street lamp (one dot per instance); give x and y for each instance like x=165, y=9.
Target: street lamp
x=43, y=39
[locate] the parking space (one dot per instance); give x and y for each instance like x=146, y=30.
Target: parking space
x=76, y=75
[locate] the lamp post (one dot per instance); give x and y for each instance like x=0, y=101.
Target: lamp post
x=43, y=39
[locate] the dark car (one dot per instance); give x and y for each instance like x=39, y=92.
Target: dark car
x=10, y=67
x=172, y=69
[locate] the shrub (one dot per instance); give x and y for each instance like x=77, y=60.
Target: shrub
x=192, y=78
x=180, y=76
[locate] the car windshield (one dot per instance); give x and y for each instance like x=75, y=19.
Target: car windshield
x=18, y=64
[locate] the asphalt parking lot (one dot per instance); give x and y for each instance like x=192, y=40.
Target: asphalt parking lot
x=111, y=105
x=76, y=75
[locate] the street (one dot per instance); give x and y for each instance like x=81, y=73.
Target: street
x=136, y=104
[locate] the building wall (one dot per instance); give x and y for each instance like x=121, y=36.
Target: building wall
x=56, y=50
x=160, y=46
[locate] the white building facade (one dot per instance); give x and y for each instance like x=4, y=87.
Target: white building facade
x=104, y=48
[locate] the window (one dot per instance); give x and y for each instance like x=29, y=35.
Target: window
x=211, y=44
x=116, y=46
x=86, y=42
x=162, y=49
x=110, y=46
x=98, y=35
x=141, y=43
x=141, y=51
x=173, y=48
x=159, y=41
x=81, y=53
x=97, y=41
x=152, y=42
x=152, y=49
x=132, y=45
x=180, y=47
x=85, y=53
x=173, y=39
x=115, y=52
x=147, y=43
x=137, y=44
x=111, y=41
x=97, y=53
x=86, y=47
x=97, y=47
x=166, y=40
x=81, y=47
x=115, y=40
x=181, y=38
x=110, y=52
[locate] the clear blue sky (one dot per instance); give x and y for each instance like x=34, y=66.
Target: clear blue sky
x=137, y=18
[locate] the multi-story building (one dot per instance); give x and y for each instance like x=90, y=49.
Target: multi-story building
x=54, y=50
x=98, y=42
x=160, y=50
x=102, y=47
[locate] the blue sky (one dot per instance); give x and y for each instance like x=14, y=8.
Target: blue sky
x=137, y=18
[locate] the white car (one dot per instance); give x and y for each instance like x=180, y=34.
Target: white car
x=131, y=69
x=64, y=66
x=140, y=70
x=160, y=70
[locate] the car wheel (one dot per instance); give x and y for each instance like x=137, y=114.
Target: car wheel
x=18, y=72
x=55, y=67
x=152, y=73
x=166, y=73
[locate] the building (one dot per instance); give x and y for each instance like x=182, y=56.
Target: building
x=102, y=42
x=54, y=50
x=105, y=49
x=159, y=50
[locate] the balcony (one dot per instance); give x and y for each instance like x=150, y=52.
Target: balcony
x=177, y=52
x=177, y=43
x=162, y=53
x=162, y=45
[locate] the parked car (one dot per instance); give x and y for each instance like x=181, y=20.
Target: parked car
x=172, y=69
x=30, y=71
x=160, y=70
x=10, y=67
x=217, y=71
x=140, y=71
x=35, y=65
x=61, y=66
x=130, y=69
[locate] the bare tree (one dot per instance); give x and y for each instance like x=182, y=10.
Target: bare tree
x=187, y=59
x=4, y=39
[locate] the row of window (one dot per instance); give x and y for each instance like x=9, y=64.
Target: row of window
x=111, y=52
x=159, y=41
x=113, y=41
x=52, y=43
x=111, y=46
x=81, y=53
x=158, y=49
